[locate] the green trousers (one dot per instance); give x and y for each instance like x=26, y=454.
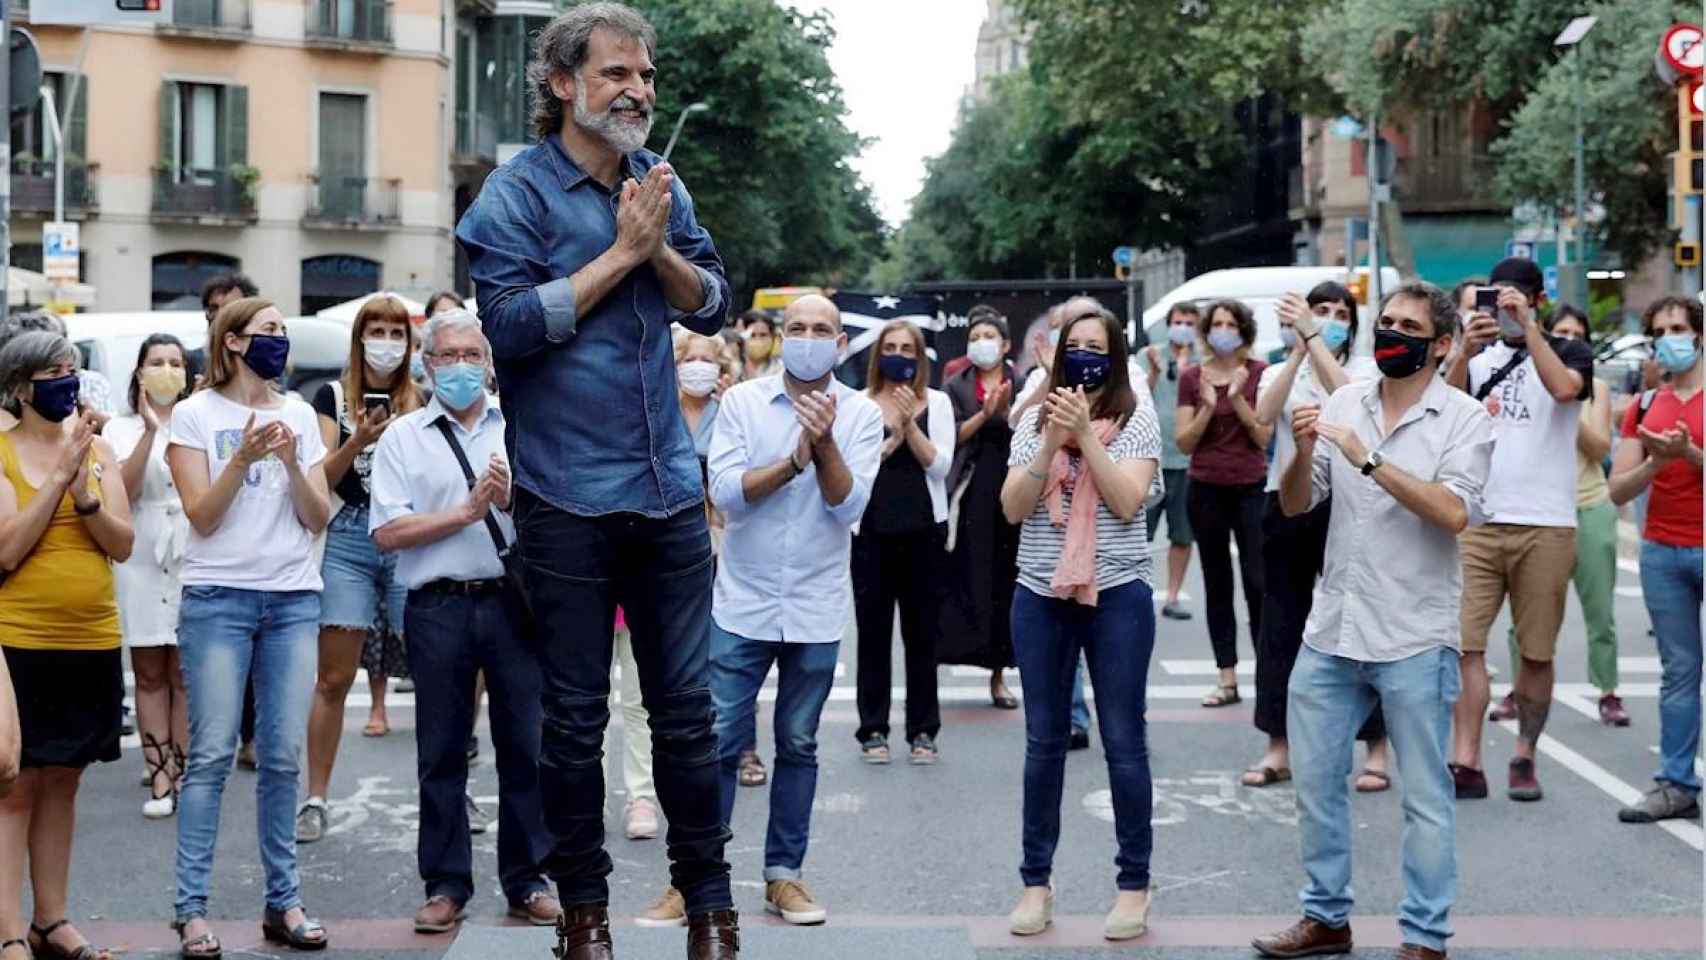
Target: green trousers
x=1596, y=582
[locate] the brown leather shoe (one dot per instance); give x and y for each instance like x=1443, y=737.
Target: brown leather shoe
x=540, y=909
x=713, y=936
x=1306, y=938
x=1410, y=951
x=583, y=933
x=439, y=914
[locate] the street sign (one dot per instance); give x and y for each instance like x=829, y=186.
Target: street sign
x=1680, y=53
x=1519, y=249
x=24, y=68
x=1125, y=256
x=83, y=13
x=1347, y=128
x=60, y=250
x=1550, y=277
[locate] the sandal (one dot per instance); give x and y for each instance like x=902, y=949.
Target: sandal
x=1260, y=776
x=1223, y=696
x=752, y=773
x=376, y=728
x=300, y=937
x=203, y=947
x=52, y=951
x=1384, y=778
x=9, y=944
x=160, y=805
x=874, y=748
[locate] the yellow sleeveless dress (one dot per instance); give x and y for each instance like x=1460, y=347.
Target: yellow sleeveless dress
x=61, y=597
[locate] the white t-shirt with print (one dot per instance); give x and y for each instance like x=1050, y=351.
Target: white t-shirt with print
x=260, y=544
x=1532, y=482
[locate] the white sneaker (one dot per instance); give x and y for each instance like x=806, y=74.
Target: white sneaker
x=159, y=808
x=641, y=820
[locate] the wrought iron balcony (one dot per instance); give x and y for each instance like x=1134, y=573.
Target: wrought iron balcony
x=211, y=19
x=33, y=187
x=186, y=194
x=1448, y=182
x=349, y=24
x=352, y=203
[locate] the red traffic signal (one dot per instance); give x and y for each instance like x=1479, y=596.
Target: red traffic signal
x=138, y=6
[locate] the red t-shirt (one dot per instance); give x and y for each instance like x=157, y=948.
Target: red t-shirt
x=1225, y=455
x=1674, y=509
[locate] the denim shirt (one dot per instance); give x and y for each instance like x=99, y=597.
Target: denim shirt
x=594, y=426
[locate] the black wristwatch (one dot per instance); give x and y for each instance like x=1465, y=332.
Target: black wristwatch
x=1374, y=460
x=91, y=511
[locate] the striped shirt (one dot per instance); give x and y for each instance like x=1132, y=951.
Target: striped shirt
x=1122, y=548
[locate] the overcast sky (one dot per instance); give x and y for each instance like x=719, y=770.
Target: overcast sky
x=904, y=65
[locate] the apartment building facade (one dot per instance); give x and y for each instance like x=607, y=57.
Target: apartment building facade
x=317, y=145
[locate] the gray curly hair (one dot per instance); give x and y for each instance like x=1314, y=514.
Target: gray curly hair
x=561, y=49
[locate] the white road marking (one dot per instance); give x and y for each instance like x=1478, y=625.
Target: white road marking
x=1203, y=668
x=1630, y=592
x=1628, y=566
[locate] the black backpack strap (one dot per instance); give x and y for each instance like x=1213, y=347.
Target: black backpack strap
x=1501, y=373
x=1647, y=398
x=443, y=425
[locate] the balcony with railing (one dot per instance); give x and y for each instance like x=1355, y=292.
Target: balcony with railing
x=209, y=19
x=352, y=203
x=210, y=197
x=33, y=187
x=349, y=24
x=1448, y=182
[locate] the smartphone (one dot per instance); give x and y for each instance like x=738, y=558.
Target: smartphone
x=1487, y=300
x=379, y=401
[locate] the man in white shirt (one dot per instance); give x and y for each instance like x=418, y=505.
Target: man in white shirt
x=791, y=463
x=1532, y=386
x=449, y=531
x=1405, y=461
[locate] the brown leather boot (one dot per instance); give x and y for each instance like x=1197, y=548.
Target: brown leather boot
x=713, y=936
x=583, y=933
x=1305, y=938
x=1411, y=951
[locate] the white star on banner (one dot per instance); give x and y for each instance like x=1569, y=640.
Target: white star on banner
x=886, y=303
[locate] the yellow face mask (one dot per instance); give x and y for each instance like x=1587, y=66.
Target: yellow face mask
x=163, y=384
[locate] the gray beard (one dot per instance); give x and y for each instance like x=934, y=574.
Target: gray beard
x=622, y=136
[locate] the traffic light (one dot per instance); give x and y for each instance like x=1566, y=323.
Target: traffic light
x=1688, y=163
x=138, y=6
x=1358, y=286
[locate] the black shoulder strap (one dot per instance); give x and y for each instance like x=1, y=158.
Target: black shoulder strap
x=1501, y=373
x=1647, y=398
x=492, y=527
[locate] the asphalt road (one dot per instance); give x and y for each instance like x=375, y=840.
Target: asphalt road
x=922, y=862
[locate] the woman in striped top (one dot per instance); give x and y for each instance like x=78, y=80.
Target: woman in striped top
x=1080, y=467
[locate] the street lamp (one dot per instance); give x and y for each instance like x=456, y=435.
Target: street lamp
x=681, y=121
x=1571, y=39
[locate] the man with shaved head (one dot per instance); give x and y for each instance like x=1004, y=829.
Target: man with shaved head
x=791, y=464
x=584, y=251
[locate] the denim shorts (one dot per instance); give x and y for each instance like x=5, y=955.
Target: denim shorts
x=362, y=591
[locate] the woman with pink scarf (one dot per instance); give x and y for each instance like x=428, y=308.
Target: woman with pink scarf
x=1081, y=466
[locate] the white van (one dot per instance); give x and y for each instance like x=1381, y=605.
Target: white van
x=1260, y=288
x=109, y=342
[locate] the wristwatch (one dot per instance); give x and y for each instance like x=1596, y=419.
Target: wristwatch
x=89, y=511
x=1374, y=460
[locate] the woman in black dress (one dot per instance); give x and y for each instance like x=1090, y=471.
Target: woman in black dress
x=984, y=547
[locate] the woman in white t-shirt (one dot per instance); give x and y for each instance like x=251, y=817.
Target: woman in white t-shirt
x=246, y=461
x=147, y=583
x=1319, y=332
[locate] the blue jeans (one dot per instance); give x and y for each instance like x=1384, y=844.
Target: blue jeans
x=577, y=570
x=1117, y=637
x=1671, y=583
x=360, y=581
x=227, y=636
x=452, y=637
x=1329, y=698
x=805, y=673
x=1080, y=706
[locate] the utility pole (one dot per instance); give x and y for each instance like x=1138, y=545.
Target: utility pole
x=1374, y=185
x=1580, y=281
x=5, y=175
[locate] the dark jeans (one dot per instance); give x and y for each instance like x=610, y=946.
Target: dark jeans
x=1220, y=514
x=1293, y=549
x=1117, y=637
x=578, y=570
x=451, y=639
x=904, y=569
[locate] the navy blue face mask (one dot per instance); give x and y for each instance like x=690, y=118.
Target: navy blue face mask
x=896, y=368
x=54, y=399
x=267, y=355
x=1087, y=369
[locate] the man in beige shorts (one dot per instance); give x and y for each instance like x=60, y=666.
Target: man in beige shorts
x=1532, y=386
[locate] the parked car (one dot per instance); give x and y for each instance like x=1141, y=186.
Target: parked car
x=1260, y=288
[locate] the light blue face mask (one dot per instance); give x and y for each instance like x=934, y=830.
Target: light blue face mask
x=459, y=385
x=1225, y=342
x=1334, y=333
x=1676, y=352
x=809, y=359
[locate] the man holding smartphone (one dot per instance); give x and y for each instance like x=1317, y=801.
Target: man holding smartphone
x=1532, y=386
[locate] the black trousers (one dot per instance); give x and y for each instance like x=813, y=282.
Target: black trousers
x=1292, y=552
x=904, y=569
x=1219, y=514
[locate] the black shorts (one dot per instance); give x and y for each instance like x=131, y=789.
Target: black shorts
x=69, y=704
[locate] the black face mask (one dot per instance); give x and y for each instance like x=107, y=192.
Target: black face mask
x=1400, y=355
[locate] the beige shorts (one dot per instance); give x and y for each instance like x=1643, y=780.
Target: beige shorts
x=1532, y=565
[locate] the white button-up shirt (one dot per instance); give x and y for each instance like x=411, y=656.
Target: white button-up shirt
x=1393, y=582
x=414, y=471
x=782, y=574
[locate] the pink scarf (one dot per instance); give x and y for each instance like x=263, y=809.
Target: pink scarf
x=1075, y=573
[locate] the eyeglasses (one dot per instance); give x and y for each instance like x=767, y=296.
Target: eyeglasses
x=444, y=358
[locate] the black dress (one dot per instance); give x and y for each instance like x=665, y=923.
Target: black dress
x=983, y=565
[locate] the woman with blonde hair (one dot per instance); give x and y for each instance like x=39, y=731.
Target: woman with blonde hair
x=361, y=610
x=900, y=542
x=246, y=461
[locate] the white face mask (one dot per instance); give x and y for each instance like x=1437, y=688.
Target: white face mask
x=697, y=377
x=384, y=356
x=984, y=353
